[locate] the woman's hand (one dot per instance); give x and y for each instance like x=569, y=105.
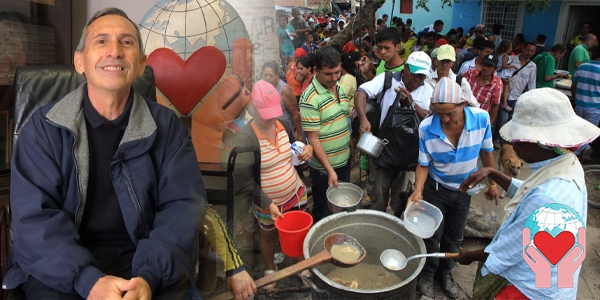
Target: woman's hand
x=274, y=212
x=307, y=153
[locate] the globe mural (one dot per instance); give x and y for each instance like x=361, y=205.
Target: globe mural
x=188, y=25
x=554, y=218
x=201, y=55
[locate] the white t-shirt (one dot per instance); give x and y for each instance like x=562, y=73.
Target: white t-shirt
x=464, y=86
x=467, y=65
x=421, y=96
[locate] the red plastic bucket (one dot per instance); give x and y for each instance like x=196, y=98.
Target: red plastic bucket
x=292, y=229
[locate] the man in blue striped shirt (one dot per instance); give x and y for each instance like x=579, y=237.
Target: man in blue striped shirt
x=543, y=134
x=586, y=91
x=450, y=142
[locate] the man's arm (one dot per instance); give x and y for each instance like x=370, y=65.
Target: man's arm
x=45, y=239
x=321, y=156
x=494, y=113
x=168, y=253
x=289, y=100
x=532, y=75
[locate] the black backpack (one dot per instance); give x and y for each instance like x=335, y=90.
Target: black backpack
x=373, y=109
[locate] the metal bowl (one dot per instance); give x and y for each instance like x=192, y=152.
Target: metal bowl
x=371, y=144
x=346, y=197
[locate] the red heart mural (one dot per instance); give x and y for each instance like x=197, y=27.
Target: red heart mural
x=185, y=83
x=554, y=248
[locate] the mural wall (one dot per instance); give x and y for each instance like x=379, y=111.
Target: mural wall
x=206, y=55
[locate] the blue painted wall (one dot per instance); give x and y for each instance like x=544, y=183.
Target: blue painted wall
x=544, y=23
x=420, y=17
x=466, y=14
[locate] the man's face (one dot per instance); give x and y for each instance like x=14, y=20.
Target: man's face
x=590, y=43
x=528, y=51
x=444, y=65
x=296, y=13
x=586, y=28
x=385, y=19
x=412, y=81
x=528, y=152
x=438, y=28
x=328, y=77
x=371, y=30
x=485, y=52
x=449, y=113
x=111, y=59
x=488, y=69
x=430, y=42
x=387, y=50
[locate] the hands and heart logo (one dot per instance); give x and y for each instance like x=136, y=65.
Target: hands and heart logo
x=186, y=83
x=558, y=235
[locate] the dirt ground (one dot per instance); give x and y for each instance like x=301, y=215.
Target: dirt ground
x=292, y=287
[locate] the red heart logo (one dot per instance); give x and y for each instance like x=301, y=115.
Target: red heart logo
x=185, y=83
x=554, y=248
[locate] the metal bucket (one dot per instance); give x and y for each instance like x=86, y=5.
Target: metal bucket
x=346, y=197
x=371, y=144
x=376, y=231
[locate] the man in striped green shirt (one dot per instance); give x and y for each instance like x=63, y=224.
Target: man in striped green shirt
x=325, y=109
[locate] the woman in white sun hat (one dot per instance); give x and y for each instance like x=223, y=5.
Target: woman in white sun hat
x=543, y=131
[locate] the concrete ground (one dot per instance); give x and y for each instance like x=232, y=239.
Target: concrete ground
x=464, y=275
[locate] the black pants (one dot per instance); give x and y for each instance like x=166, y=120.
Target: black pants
x=448, y=237
x=112, y=261
x=319, y=190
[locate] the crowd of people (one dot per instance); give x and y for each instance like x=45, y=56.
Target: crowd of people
x=107, y=198
x=462, y=87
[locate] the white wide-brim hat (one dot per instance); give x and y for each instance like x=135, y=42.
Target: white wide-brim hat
x=545, y=116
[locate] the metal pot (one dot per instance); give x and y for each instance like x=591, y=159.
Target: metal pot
x=376, y=231
x=346, y=197
x=371, y=144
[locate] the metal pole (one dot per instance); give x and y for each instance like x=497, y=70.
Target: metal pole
x=391, y=17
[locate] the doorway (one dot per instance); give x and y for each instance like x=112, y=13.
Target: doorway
x=575, y=15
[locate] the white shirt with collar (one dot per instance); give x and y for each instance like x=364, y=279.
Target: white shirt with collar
x=525, y=77
x=464, y=86
x=467, y=65
x=421, y=96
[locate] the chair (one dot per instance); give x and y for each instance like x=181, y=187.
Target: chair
x=36, y=86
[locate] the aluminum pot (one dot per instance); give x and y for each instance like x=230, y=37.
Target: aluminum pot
x=376, y=231
x=346, y=197
x=371, y=144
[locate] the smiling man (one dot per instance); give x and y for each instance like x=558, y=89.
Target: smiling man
x=106, y=192
x=325, y=109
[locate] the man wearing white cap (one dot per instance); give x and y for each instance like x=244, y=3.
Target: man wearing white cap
x=450, y=142
x=408, y=85
x=543, y=134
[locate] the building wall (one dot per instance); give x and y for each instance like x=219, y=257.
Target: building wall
x=289, y=2
x=420, y=17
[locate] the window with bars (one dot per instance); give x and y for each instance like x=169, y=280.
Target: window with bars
x=406, y=6
x=507, y=13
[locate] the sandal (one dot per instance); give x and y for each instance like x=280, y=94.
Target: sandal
x=272, y=285
x=306, y=273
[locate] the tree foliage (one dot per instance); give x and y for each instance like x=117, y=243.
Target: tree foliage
x=530, y=5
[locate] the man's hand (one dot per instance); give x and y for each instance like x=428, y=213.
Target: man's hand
x=332, y=178
x=136, y=289
x=242, y=285
x=307, y=153
x=415, y=196
x=365, y=126
x=463, y=257
x=406, y=98
x=107, y=288
x=365, y=65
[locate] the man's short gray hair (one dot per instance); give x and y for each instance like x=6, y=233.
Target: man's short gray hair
x=108, y=12
x=588, y=36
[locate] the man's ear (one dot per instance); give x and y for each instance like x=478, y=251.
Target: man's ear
x=143, y=60
x=78, y=61
x=398, y=46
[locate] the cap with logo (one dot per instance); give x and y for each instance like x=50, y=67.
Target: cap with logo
x=490, y=59
x=446, y=52
x=419, y=63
